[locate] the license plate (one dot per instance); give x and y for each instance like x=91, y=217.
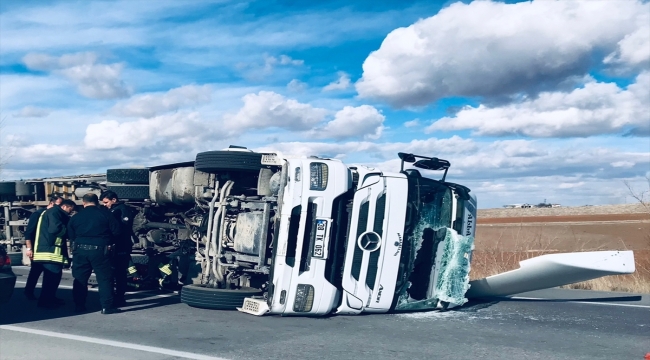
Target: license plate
x=319, y=242
x=271, y=159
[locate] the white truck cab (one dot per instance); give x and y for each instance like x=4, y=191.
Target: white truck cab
x=356, y=239
x=405, y=233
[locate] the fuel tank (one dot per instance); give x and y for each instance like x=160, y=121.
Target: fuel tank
x=172, y=186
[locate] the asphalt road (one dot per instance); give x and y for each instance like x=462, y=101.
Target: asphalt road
x=549, y=324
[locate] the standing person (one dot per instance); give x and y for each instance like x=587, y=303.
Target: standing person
x=50, y=250
x=92, y=230
x=122, y=265
x=36, y=269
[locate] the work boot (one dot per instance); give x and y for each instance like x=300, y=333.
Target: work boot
x=111, y=311
x=30, y=296
x=80, y=308
x=119, y=303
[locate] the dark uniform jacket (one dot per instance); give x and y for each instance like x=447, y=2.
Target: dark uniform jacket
x=93, y=226
x=50, y=236
x=30, y=232
x=124, y=216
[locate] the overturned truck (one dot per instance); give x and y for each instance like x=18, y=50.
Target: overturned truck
x=265, y=233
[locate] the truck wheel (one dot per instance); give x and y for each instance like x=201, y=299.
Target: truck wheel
x=216, y=161
x=128, y=176
x=8, y=188
x=204, y=297
x=131, y=192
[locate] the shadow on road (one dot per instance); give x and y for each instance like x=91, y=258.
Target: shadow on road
x=20, y=310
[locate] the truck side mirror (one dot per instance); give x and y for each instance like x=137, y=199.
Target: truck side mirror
x=406, y=157
x=432, y=164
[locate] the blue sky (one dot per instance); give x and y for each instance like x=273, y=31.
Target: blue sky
x=529, y=101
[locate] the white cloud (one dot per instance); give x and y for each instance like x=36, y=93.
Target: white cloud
x=272, y=61
x=623, y=164
x=93, y=80
x=149, y=105
x=168, y=130
x=363, y=121
x=286, y=60
x=634, y=49
x=32, y=112
x=494, y=49
x=98, y=81
x=268, y=109
x=342, y=83
x=412, y=123
x=597, y=108
x=296, y=85
x=44, y=62
x=571, y=185
x=519, y=148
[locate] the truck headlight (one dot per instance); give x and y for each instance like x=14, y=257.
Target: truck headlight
x=304, y=298
x=318, y=176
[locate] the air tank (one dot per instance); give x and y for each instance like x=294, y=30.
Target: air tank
x=172, y=186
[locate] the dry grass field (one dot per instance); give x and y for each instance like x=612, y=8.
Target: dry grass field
x=506, y=236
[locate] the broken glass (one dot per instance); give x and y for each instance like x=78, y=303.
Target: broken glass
x=435, y=258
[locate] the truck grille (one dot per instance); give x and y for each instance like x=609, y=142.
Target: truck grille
x=378, y=228
x=361, y=228
x=372, y=269
x=379, y=215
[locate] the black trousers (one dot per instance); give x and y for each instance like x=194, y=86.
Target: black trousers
x=85, y=261
x=52, y=273
x=120, y=272
x=35, y=271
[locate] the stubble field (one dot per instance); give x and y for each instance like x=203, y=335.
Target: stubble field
x=506, y=236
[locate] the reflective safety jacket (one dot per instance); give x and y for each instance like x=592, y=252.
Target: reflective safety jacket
x=50, y=244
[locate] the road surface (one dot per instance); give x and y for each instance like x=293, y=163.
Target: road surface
x=549, y=324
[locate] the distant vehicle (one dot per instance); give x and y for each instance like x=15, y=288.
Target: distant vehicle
x=517, y=206
x=7, y=276
x=526, y=206
x=543, y=205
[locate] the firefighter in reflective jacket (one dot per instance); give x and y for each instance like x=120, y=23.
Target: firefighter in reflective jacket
x=50, y=250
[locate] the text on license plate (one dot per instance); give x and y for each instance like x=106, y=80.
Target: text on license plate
x=319, y=241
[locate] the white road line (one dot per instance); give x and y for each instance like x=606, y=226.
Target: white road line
x=581, y=302
x=130, y=292
x=119, y=344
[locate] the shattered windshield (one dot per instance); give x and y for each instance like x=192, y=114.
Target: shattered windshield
x=428, y=224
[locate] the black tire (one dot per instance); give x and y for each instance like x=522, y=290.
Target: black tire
x=131, y=192
x=8, y=188
x=128, y=176
x=204, y=297
x=217, y=161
